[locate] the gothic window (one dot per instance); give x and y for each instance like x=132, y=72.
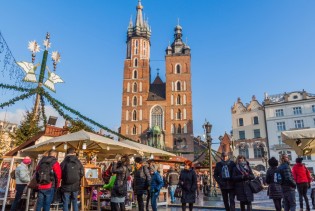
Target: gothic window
x=134, y=130
x=258, y=150
x=135, y=74
x=136, y=47
x=157, y=116
x=179, y=114
x=127, y=100
x=243, y=150
x=134, y=115
x=135, y=87
x=179, y=129
x=178, y=69
x=178, y=88
x=178, y=101
x=135, y=63
x=128, y=87
x=144, y=49
x=134, y=101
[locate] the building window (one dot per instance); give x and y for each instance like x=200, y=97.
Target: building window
x=134, y=101
x=279, y=112
x=136, y=62
x=157, y=117
x=179, y=114
x=299, y=123
x=136, y=47
x=179, y=129
x=173, y=129
x=257, y=133
x=308, y=157
x=144, y=49
x=184, y=100
x=135, y=87
x=258, y=150
x=243, y=150
x=241, y=134
x=135, y=74
x=134, y=115
x=240, y=122
x=177, y=68
x=281, y=126
x=280, y=140
x=134, y=130
x=297, y=110
x=128, y=87
x=313, y=108
x=285, y=152
x=255, y=120
x=178, y=100
x=178, y=86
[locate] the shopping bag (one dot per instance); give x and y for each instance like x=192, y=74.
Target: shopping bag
x=255, y=185
x=110, y=185
x=178, y=192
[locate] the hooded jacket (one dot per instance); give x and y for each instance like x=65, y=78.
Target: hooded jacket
x=22, y=174
x=75, y=186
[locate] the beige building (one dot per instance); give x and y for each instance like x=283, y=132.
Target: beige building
x=6, y=143
x=249, y=133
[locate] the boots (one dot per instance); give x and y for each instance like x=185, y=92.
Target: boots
x=249, y=207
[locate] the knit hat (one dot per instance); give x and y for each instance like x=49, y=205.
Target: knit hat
x=27, y=160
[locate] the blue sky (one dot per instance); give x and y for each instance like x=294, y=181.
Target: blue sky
x=239, y=48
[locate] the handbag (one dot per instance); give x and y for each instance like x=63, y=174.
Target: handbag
x=178, y=192
x=255, y=185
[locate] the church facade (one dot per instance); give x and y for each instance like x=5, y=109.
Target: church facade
x=155, y=112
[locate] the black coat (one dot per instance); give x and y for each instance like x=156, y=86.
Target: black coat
x=188, y=183
x=241, y=185
x=274, y=189
x=288, y=182
x=122, y=173
x=223, y=182
x=75, y=186
x=142, y=180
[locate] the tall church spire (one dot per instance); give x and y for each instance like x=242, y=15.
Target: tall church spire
x=141, y=27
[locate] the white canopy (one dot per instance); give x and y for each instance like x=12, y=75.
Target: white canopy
x=148, y=149
x=93, y=142
x=302, y=141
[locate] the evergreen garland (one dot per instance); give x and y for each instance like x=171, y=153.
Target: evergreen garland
x=21, y=97
x=15, y=88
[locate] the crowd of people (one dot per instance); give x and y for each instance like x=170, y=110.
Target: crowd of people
x=233, y=179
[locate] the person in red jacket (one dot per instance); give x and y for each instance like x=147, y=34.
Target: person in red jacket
x=303, y=179
x=46, y=192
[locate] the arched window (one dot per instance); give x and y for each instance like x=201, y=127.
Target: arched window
x=144, y=49
x=258, y=150
x=178, y=70
x=178, y=101
x=157, y=117
x=135, y=74
x=136, y=62
x=136, y=47
x=178, y=88
x=134, y=115
x=243, y=150
x=179, y=129
x=135, y=87
x=179, y=114
x=134, y=101
x=134, y=130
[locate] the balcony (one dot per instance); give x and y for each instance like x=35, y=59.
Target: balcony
x=280, y=146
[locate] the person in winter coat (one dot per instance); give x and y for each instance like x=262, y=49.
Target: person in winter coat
x=288, y=184
x=303, y=180
x=274, y=188
x=141, y=182
x=242, y=174
x=46, y=192
x=156, y=185
x=72, y=173
x=223, y=175
x=172, y=179
x=188, y=183
x=122, y=170
x=22, y=177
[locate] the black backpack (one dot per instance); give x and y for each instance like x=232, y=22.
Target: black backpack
x=71, y=173
x=45, y=173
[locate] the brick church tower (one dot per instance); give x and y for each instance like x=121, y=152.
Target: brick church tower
x=159, y=113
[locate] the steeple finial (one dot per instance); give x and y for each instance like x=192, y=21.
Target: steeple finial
x=178, y=21
x=157, y=71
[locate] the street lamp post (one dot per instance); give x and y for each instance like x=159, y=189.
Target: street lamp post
x=207, y=128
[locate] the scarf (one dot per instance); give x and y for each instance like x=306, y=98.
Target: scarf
x=243, y=168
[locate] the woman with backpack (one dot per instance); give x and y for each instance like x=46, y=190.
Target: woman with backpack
x=274, y=188
x=122, y=170
x=242, y=174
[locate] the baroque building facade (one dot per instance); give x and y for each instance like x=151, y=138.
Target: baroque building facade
x=249, y=133
x=289, y=111
x=157, y=113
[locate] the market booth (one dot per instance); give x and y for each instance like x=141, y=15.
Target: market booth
x=91, y=149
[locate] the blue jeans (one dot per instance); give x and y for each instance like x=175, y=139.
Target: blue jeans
x=70, y=196
x=289, y=200
x=43, y=200
x=172, y=192
x=18, y=195
x=154, y=197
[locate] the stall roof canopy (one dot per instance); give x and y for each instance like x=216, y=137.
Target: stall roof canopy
x=93, y=142
x=302, y=141
x=148, y=149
